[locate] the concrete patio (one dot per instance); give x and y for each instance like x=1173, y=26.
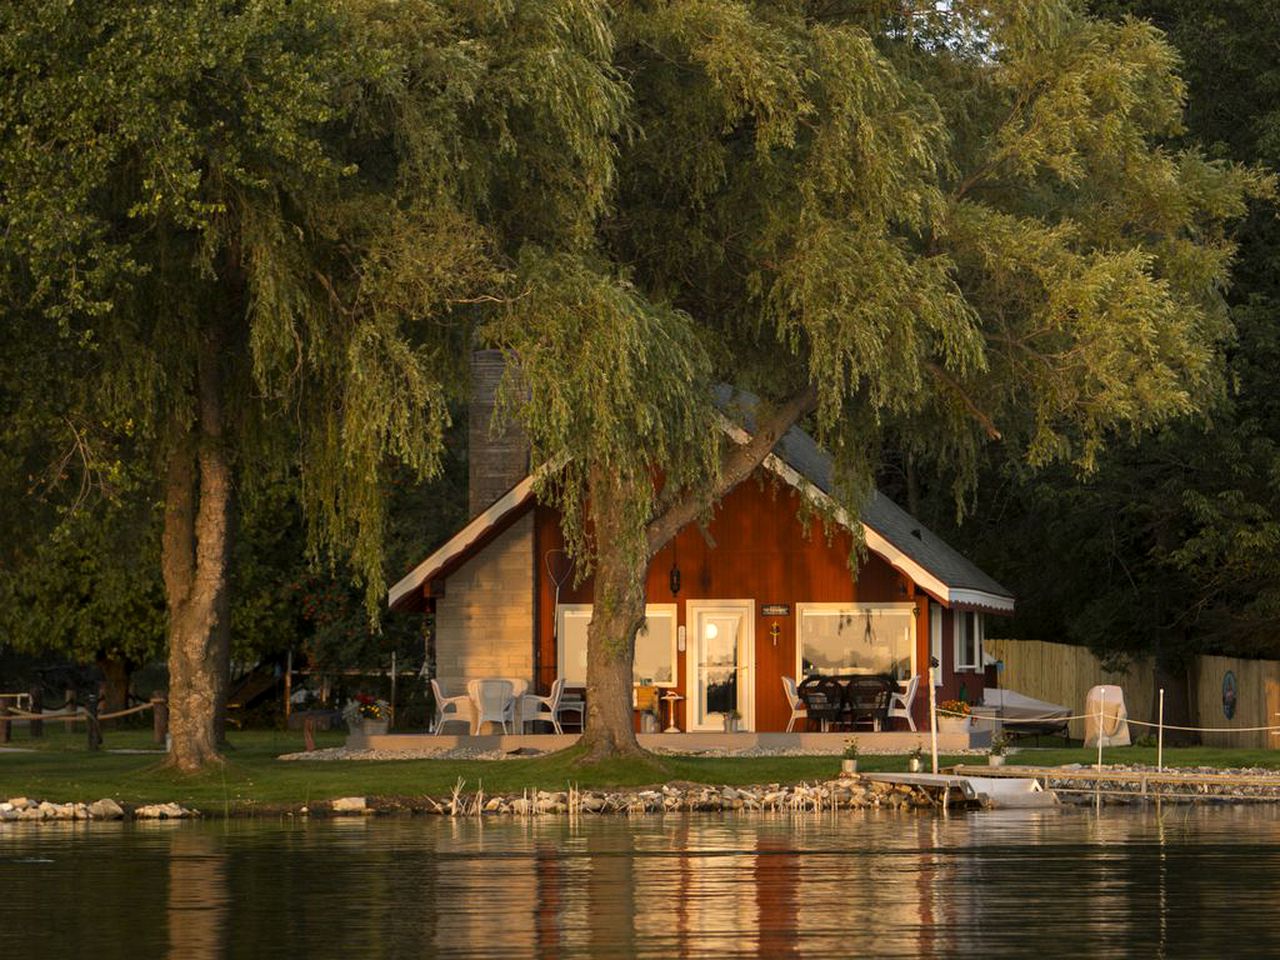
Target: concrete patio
x=692, y=743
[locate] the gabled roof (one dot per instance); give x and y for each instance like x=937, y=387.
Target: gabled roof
x=890, y=532
x=906, y=543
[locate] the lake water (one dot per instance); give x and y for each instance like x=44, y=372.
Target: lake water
x=1192, y=882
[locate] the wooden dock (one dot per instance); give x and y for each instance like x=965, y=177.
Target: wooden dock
x=972, y=790
x=1140, y=784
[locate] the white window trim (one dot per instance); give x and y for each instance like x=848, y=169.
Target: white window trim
x=935, y=639
x=802, y=608
x=671, y=610
x=651, y=610
x=562, y=613
x=979, y=630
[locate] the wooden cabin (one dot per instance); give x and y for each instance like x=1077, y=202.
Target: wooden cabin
x=774, y=597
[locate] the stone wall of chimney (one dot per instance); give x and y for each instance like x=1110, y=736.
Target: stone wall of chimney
x=498, y=455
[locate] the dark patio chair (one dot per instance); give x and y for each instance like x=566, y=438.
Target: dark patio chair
x=868, y=699
x=823, y=699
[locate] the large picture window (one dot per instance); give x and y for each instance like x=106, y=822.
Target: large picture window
x=655, y=657
x=849, y=639
x=969, y=627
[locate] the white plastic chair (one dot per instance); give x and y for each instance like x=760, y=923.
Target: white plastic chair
x=495, y=702
x=543, y=708
x=450, y=709
x=900, y=703
x=798, y=709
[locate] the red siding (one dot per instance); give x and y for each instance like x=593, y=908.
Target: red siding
x=761, y=551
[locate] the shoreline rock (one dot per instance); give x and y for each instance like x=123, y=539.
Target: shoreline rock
x=25, y=810
x=843, y=793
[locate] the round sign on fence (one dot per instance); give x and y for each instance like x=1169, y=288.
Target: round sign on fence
x=1229, y=694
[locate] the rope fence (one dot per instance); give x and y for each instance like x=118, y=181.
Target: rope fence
x=90, y=716
x=80, y=713
x=1140, y=723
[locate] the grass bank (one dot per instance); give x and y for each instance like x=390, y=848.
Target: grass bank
x=59, y=769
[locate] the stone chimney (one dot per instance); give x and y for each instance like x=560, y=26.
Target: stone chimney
x=498, y=458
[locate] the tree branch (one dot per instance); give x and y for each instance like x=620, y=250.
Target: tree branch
x=738, y=463
x=993, y=432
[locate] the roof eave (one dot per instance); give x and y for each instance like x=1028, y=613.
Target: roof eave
x=400, y=595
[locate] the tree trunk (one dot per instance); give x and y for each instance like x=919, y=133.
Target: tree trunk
x=1172, y=674
x=625, y=545
x=195, y=549
x=115, y=675
x=222, y=639
x=617, y=613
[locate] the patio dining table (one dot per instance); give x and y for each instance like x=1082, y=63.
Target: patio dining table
x=518, y=689
x=851, y=699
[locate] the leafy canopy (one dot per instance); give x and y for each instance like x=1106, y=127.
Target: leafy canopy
x=956, y=221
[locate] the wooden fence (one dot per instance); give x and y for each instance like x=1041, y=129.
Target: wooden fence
x=1062, y=673
x=1256, y=701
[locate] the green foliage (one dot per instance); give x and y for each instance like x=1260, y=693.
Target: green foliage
x=323, y=186
x=954, y=222
x=91, y=592
x=1174, y=545
x=957, y=222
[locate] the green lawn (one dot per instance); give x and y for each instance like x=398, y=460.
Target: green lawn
x=60, y=769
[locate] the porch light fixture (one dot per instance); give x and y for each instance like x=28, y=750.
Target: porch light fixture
x=675, y=567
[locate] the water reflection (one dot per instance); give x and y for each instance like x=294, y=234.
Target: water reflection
x=1118, y=884
x=198, y=898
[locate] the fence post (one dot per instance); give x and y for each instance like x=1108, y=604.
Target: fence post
x=37, y=706
x=1160, y=734
x=1102, y=699
x=933, y=716
x=95, y=737
x=392, y=719
x=159, y=715
x=4, y=724
x=69, y=703
x=1097, y=783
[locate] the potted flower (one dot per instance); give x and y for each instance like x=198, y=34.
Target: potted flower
x=996, y=752
x=849, y=763
x=732, y=720
x=367, y=715
x=915, y=758
x=953, y=716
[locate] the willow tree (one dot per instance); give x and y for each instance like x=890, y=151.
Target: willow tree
x=253, y=234
x=952, y=223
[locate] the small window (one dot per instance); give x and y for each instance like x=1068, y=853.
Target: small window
x=655, y=655
x=969, y=628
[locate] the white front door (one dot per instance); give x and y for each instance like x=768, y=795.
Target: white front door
x=721, y=667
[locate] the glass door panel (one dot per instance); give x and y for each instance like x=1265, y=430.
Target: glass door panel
x=721, y=655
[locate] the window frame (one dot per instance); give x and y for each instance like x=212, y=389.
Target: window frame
x=579, y=610
x=974, y=618
x=907, y=607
